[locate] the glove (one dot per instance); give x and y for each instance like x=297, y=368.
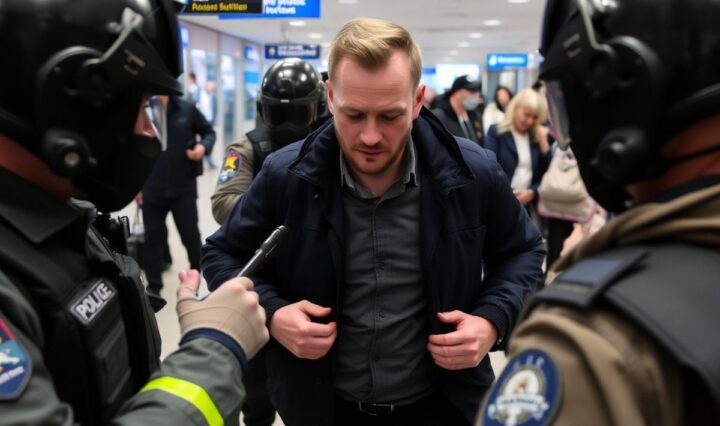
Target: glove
x=232, y=309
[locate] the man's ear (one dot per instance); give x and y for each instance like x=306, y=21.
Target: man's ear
x=330, y=97
x=419, y=96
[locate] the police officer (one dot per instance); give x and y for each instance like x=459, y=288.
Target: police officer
x=290, y=103
x=623, y=335
x=78, y=340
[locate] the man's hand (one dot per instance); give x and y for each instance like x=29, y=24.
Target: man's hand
x=465, y=347
x=233, y=309
x=292, y=326
x=139, y=199
x=196, y=153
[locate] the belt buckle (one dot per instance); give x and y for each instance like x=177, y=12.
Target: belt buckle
x=375, y=409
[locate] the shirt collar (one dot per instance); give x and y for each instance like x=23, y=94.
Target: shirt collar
x=409, y=177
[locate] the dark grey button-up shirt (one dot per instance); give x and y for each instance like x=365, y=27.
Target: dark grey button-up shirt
x=381, y=350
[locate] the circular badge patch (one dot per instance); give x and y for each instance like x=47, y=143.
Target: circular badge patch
x=527, y=392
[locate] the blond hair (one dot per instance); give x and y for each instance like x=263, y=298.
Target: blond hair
x=371, y=42
x=527, y=98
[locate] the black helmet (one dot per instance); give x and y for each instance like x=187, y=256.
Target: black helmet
x=289, y=100
x=622, y=77
x=72, y=79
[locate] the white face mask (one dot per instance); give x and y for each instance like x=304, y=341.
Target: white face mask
x=471, y=103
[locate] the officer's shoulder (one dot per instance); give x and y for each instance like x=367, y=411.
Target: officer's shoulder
x=242, y=144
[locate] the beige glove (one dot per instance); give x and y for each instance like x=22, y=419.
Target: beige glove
x=233, y=309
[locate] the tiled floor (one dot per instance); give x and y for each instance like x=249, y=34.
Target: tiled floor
x=167, y=317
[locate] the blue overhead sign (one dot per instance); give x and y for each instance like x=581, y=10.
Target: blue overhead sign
x=302, y=51
x=281, y=9
x=501, y=61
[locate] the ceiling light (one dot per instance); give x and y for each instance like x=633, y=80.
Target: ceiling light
x=518, y=1
x=464, y=44
x=347, y=1
x=297, y=23
x=453, y=52
x=492, y=22
x=475, y=35
x=326, y=44
x=315, y=36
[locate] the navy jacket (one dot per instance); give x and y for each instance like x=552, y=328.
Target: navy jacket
x=470, y=221
x=174, y=173
x=506, y=153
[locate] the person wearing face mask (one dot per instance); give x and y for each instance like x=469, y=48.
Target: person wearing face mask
x=457, y=109
x=289, y=105
x=521, y=144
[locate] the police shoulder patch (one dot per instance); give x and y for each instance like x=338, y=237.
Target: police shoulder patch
x=230, y=166
x=528, y=392
x=14, y=364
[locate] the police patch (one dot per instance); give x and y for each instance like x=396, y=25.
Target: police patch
x=527, y=392
x=91, y=303
x=230, y=166
x=14, y=364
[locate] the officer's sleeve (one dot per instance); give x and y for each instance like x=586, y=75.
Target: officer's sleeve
x=199, y=384
x=234, y=179
x=27, y=394
x=584, y=368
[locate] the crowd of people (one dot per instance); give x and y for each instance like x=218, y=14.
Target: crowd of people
x=416, y=240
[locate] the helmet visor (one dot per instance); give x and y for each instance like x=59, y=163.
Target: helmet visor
x=295, y=115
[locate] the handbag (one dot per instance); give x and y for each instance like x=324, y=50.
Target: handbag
x=137, y=237
x=562, y=193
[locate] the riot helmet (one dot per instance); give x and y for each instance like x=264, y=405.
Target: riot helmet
x=289, y=99
x=623, y=76
x=73, y=77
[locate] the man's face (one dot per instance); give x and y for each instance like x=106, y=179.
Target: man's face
x=374, y=111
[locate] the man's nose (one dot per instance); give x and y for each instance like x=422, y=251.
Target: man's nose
x=370, y=134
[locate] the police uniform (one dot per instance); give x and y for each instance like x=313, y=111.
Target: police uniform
x=625, y=334
x=78, y=340
x=243, y=159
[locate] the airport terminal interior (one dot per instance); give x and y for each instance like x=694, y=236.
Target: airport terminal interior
x=492, y=41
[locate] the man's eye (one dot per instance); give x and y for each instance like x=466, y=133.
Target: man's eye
x=354, y=116
x=390, y=117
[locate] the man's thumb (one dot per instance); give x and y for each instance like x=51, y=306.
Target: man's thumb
x=189, y=284
x=315, y=310
x=451, y=317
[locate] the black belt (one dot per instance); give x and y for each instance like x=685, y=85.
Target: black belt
x=382, y=408
x=376, y=408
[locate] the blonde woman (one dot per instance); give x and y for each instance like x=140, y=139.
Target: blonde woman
x=520, y=143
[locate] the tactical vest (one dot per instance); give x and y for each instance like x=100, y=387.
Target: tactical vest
x=101, y=337
x=671, y=291
x=262, y=146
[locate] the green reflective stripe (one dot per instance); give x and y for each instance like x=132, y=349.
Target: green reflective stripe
x=191, y=393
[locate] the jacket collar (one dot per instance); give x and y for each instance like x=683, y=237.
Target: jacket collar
x=438, y=152
x=31, y=211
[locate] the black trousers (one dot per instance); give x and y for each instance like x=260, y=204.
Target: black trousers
x=433, y=410
x=257, y=409
x=185, y=214
x=558, y=231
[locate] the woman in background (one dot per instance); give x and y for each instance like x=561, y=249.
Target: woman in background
x=495, y=112
x=520, y=143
